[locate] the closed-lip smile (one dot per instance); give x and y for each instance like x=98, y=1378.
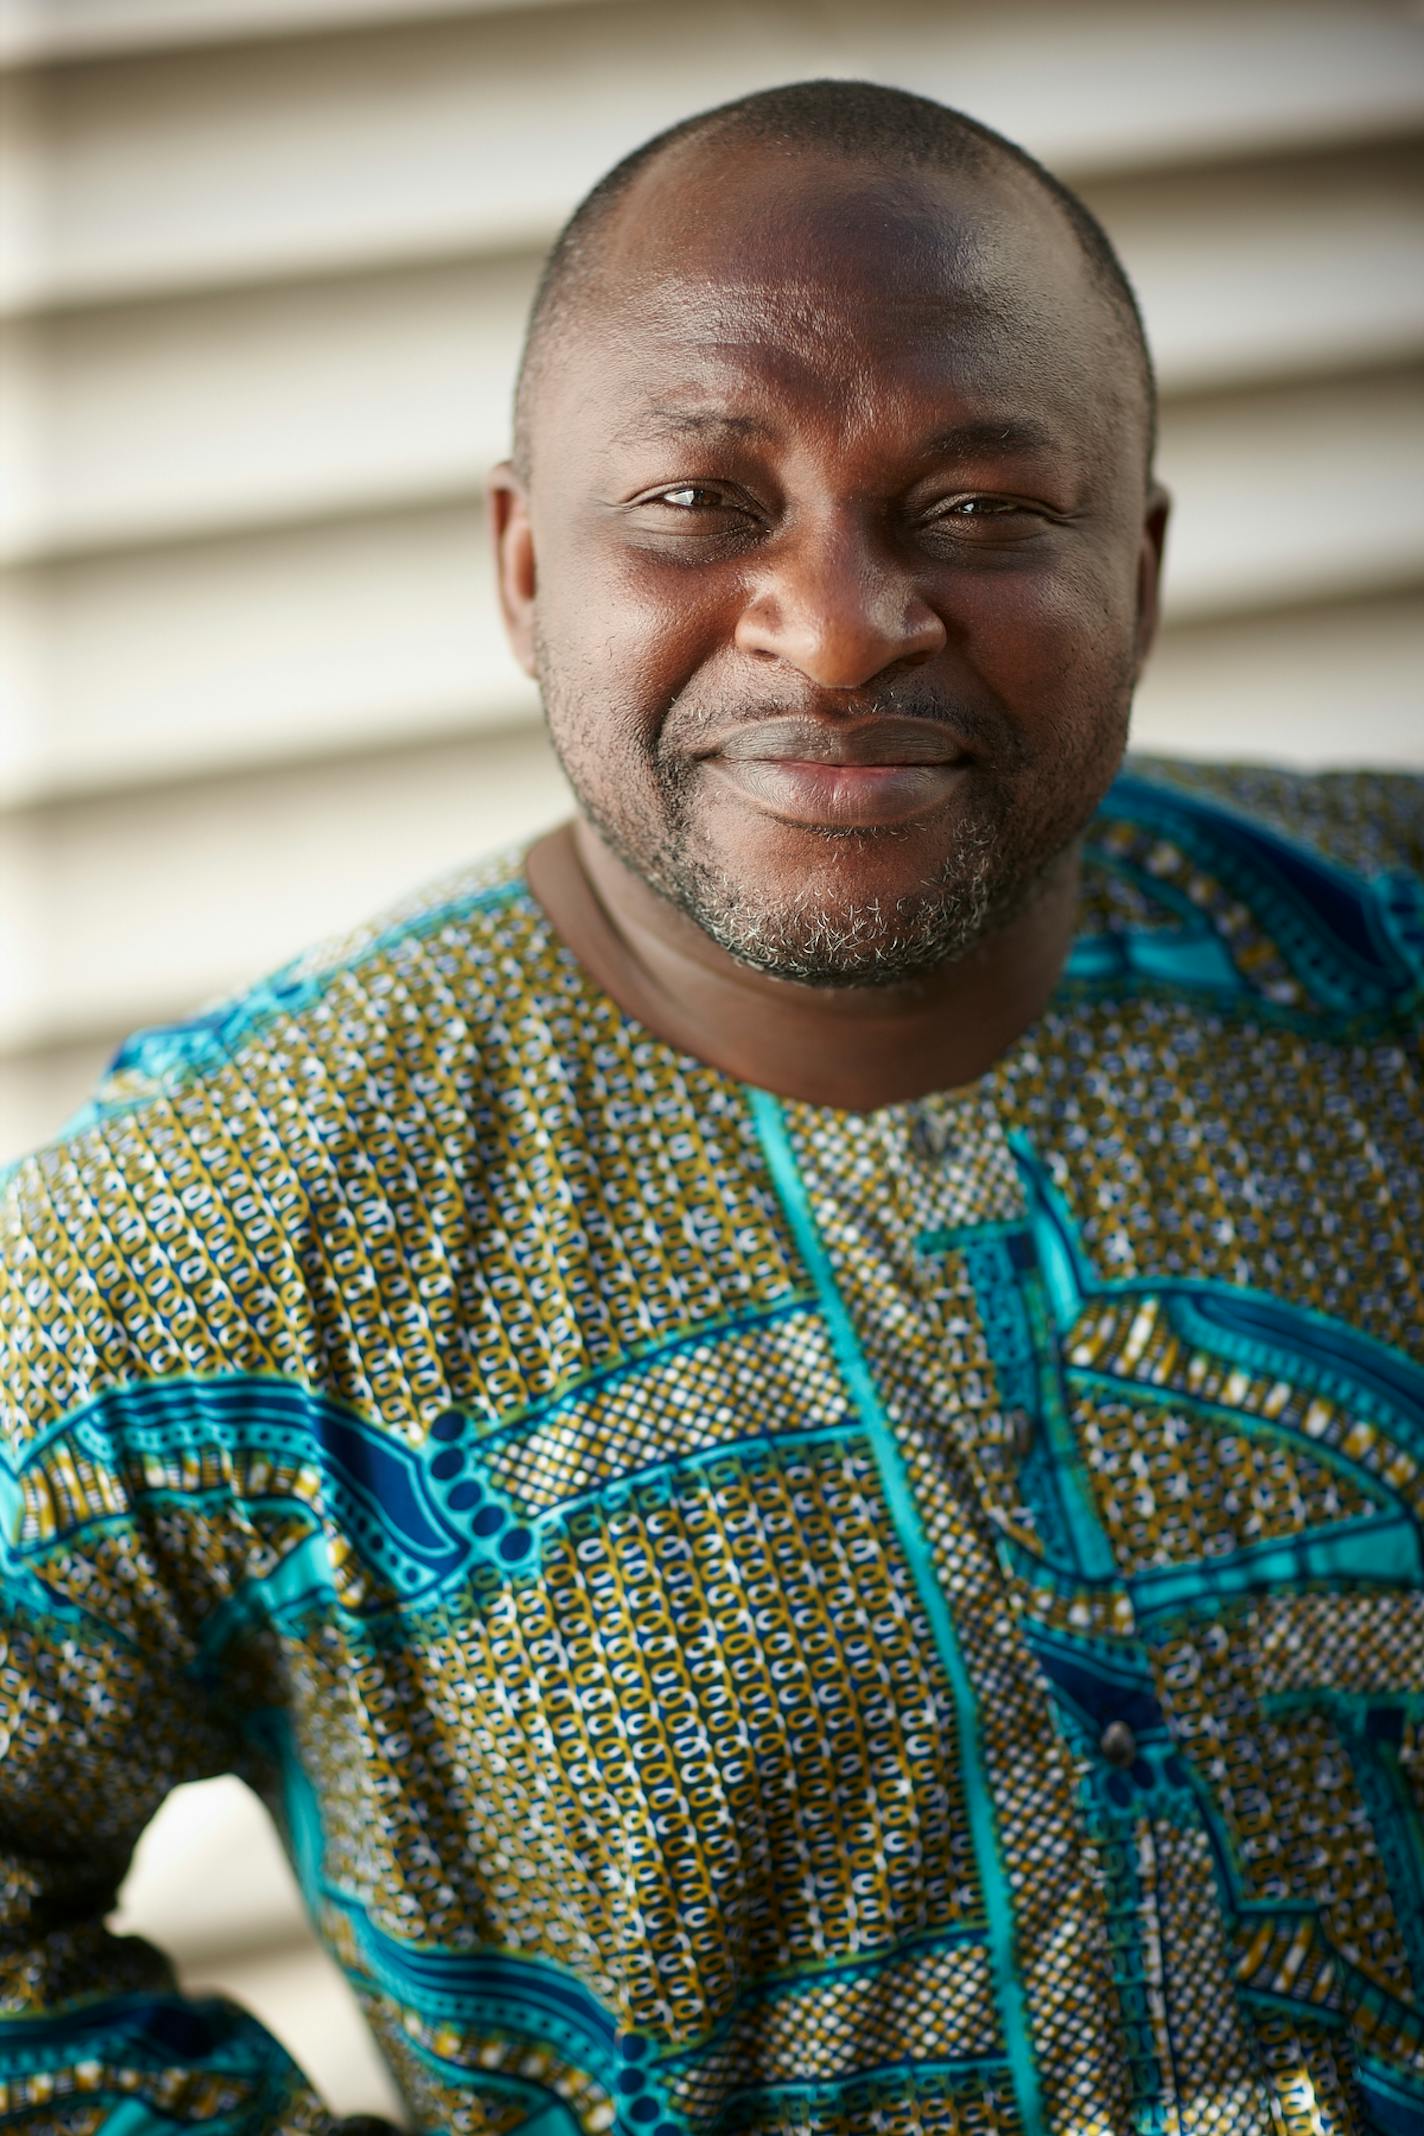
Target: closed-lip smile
x=883, y=740
x=823, y=776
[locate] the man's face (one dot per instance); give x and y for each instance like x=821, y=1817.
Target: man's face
x=839, y=554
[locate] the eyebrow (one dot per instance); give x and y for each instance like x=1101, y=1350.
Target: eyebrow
x=692, y=422
x=1016, y=435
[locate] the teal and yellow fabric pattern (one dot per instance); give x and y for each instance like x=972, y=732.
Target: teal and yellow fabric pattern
x=752, y=1617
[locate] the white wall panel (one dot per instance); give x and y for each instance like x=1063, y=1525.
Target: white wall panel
x=42, y=1087
x=26, y=399
x=251, y=1938
x=156, y=663
x=24, y=186
x=194, y=167
x=298, y=1992
x=279, y=402
x=33, y=30
x=1111, y=84
x=1294, y=493
x=1314, y=685
x=136, y=905
x=1276, y=268
x=190, y=168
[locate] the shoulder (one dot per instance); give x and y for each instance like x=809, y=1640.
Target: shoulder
x=183, y=1222
x=1370, y=822
x=387, y=967
x=1298, y=895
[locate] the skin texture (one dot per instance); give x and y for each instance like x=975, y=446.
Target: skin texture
x=831, y=465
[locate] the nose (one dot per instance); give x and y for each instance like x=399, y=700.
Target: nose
x=836, y=604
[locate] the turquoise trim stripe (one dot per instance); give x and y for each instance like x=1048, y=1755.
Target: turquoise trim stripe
x=1396, y=2100
x=947, y=1238
x=556, y=2120
x=421, y=925
x=1064, y=1473
x=829, y=2092
x=769, y=1119
x=304, y=1574
x=1220, y=1416
x=790, y=1982
x=553, y=2118
x=169, y=1054
x=1361, y=1554
x=224, y=1402
x=136, y=2117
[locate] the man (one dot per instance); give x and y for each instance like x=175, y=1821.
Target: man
x=786, y=1434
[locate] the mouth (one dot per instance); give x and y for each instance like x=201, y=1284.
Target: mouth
x=871, y=743
x=877, y=773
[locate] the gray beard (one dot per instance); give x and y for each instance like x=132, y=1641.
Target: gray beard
x=873, y=942
x=986, y=881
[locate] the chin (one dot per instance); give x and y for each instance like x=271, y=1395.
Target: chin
x=870, y=940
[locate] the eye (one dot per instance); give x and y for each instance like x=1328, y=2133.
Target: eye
x=983, y=507
x=701, y=512
x=982, y=517
x=698, y=497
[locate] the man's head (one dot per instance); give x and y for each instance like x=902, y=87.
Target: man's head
x=831, y=534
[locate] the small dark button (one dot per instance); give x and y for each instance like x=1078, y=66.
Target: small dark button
x=931, y=1135
x=1118, y=1744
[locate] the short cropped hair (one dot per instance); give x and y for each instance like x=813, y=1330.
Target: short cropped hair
x=861, y=121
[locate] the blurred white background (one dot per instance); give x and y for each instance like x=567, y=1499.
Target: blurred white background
x=263, y=265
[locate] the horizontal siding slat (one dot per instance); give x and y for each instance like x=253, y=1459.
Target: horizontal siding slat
x=33, y=32
x=203, y=414
x=132, y=906
x=1280, y=268
x=1294, y=493
x=1315, y=684
x=198, y=167
x=43, y=1086
x=253, y=650
x=194, y=167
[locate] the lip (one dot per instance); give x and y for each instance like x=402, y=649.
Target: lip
x=807, y=772
x=838, y=796
x=883, y=741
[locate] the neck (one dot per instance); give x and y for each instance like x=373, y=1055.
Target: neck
x=850, y=1047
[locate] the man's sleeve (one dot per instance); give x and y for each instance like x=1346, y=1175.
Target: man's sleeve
x=101, y=1713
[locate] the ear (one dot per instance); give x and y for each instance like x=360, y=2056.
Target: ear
x=1149, y=571
x=514, y=559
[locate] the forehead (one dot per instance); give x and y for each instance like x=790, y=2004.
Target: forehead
x=773, y=277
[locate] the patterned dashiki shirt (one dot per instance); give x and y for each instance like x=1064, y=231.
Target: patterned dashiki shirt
x=750, y=1616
